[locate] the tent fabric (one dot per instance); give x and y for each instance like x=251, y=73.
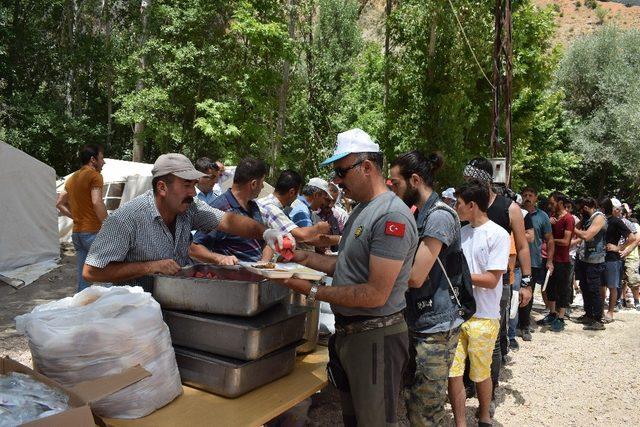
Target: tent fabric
x=28, y=210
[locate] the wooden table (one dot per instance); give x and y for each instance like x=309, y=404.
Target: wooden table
x=199, y=408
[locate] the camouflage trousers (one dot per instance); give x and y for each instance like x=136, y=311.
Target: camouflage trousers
x=426, y=391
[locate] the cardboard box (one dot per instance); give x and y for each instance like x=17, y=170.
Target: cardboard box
x=80, y=396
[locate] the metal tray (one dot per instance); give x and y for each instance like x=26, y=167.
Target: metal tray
x=246, y=338
x=234, y=291
x=231, y=377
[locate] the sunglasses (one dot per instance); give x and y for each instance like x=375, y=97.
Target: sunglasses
x=342, y=172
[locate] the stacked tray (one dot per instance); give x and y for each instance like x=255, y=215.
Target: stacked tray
x=231, y=329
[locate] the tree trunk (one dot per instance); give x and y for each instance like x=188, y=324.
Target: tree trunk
x=387, y=43
x=283, y=92
x=72, y=8
x=106, y=29
x=138, y=129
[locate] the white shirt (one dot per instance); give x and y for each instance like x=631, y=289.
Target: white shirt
x=486, y=248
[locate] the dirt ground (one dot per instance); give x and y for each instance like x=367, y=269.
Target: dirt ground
x=574, y=378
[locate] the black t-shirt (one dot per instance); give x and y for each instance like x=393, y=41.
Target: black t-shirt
x=616, y=229
x=498, y=212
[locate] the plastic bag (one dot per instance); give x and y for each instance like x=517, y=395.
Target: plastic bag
x=102, y=331
x=24, y=399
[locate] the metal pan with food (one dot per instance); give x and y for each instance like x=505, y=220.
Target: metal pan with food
x=217, y=289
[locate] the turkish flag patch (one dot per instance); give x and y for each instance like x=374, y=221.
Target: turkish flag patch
x=394, y=229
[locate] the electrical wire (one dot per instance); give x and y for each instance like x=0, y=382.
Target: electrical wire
x=469, y=45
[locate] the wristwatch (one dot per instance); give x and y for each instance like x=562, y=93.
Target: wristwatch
x=525, y=282
x=311, y=298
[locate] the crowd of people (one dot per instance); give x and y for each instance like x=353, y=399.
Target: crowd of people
x=424, y=288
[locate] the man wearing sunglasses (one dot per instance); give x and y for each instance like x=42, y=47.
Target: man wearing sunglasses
x=370, y=349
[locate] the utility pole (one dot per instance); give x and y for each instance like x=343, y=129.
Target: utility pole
x=502, y=56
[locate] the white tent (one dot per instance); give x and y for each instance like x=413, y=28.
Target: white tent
x=123, y=181
x=28, y=217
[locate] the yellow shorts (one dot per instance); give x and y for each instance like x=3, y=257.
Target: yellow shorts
x=477, y=339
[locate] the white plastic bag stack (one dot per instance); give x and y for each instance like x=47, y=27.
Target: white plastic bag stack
x=102, y=331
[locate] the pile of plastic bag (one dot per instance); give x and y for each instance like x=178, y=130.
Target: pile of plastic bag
x=24, y=399
x=102, y=331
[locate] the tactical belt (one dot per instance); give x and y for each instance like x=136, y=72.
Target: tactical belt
x=369, y=324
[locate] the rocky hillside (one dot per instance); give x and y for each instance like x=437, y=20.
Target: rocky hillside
x=574, y=17
x=579, y=17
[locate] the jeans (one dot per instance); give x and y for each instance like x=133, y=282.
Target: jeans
x=82, y=242
x=513, y=323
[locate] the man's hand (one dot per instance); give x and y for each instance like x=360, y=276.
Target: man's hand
x=525, y=296
x=613, y=248
x=553, y=220
x=323, y=227
x=228, y=260
x=271, y=237
x=300, y=257
x=163, y=266
x=550, y=266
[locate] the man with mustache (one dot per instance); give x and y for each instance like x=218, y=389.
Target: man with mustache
x=151, y=233
x=542, y=232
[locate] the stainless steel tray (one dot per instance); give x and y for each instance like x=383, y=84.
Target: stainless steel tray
x=231, y=377
x=233, y=291
x=246, y=338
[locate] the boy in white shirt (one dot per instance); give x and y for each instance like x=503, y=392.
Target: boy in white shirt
x=486, y=247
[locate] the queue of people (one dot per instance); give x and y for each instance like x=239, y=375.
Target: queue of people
x=422, y=285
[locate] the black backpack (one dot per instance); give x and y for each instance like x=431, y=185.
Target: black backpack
x=462, y=289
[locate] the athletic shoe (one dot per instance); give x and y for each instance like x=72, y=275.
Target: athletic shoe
x=547, y=320
x=638, y=306
x=557, y=325
x=584, y=319
x=513, y=344
x=618, y=307
x=526, y=334
x=594, y=326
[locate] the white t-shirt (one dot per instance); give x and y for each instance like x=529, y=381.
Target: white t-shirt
x=486, y=248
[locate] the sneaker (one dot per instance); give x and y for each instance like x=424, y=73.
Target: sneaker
x=638, y=306
x=526, y=334
x=513, y=344
x=584, y=319
x=557, y=325
x=594, y=326
x=546, y=320
x=618, y=307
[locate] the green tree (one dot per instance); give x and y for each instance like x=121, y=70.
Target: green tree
x=602, y=95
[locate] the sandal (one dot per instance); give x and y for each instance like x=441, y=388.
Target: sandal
x=607, y=320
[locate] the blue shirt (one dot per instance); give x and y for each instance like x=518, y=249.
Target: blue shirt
x=541, y=226
x=208, y=198
x=301, y=212
x=227, y=244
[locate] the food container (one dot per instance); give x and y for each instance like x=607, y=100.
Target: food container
x=245, y=338
x=233, y=291
x=232, y=377
x=284, y=270
x=311, y=323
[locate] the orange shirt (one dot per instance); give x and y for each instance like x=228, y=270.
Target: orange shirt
x=79, y=188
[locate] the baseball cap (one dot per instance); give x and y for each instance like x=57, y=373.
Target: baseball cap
x=352, y=141
x=616, y=203
x=321, y=184
x=449, y=193
x=176, y=164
